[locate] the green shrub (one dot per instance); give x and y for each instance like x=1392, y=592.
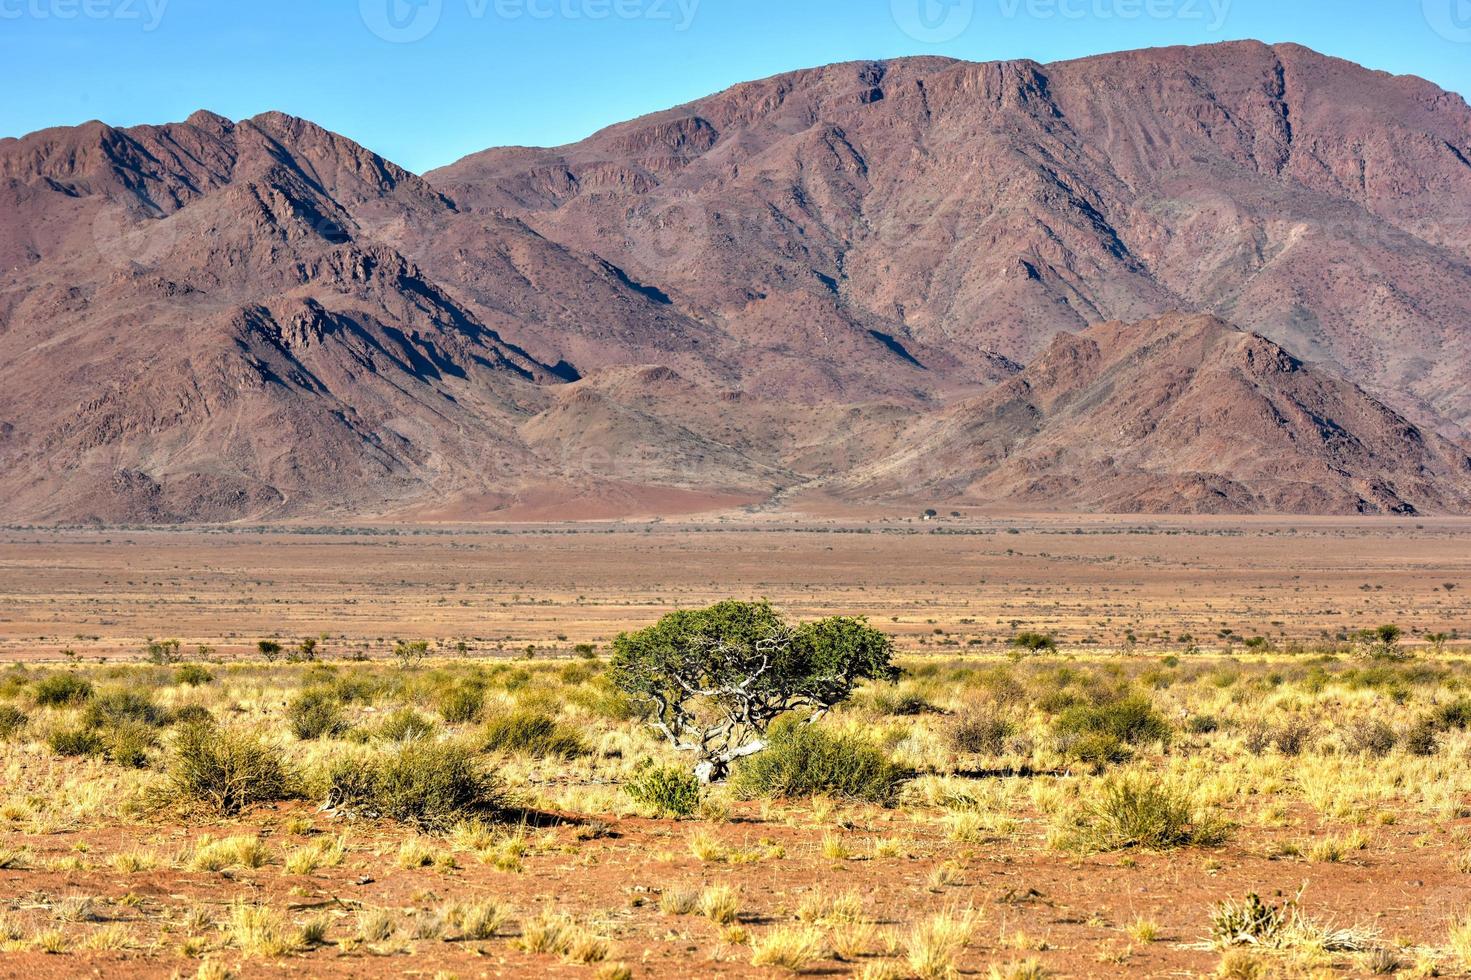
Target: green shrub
x=979, y=732
x=601, y=698
x=405, y=724
x=719, y=678
x=410, y=653
x=12, y=721
x=315, y=674
x=59, y=690
x=1141, y=812
x=1202, y=724
x=119, y=706
x=461, y=704
x=419, y=782
x=578, y=672
x=13, y=681
x=193, y=714
x=1058, y=701
x=665, y=791
x=897, y=702
x=1248, y=923
x=1035, y=642
x=1094, y=749
x=532, y=733
x=192, y=675
x=1422, y=738
x=1098, y=733
x=803, y=760
x=515, y=679
x=127, y=744
x=75, y=742
x=224, y=770
x=1371, y=737
x=315, y=713
x=1455, y=715
x=358, y=687
x=162, y=651
x=1292, y=737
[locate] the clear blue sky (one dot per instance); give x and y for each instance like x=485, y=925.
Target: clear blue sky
x=495, y=72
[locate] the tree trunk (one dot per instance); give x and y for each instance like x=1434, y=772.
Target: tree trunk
x=716, y=769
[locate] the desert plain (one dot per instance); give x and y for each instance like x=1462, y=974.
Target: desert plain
x=1215, y=669
x=948, y=585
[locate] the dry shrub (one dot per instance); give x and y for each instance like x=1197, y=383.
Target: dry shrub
x=224, y=770
x=416, y=782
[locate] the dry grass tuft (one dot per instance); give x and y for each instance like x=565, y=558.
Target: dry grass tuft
x=720, y=904
x=789, y=948
x=242, y=851
x=935, y=945
x=478, y=921
x=257, y=930
x=679, y=901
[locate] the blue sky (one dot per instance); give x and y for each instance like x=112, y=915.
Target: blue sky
x=427, y=81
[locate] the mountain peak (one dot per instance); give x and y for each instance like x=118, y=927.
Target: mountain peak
x=205, y=119
x=1228, y=278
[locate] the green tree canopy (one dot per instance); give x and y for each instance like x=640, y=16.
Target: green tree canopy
x=713, y=680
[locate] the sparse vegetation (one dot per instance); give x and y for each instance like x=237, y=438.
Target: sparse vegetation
x=664, y=791
x=423, y=783
x=225, y=770
x=532, y=733
x=12, y=721
x=980, y=732
x=315, y=713
x=790, y=948
x=859, y=841
x=1034, y=642
x=1141, y=812
x=713, y=680
x=805, y=760
x=57, y=690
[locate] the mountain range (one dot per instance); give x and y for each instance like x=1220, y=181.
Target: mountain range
x=1224, y=279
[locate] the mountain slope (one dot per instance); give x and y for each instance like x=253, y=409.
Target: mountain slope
x=209, y=320
x=847, y=281
x=978, y=209
x=1176, y=414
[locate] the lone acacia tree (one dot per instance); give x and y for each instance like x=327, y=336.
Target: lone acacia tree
x=713, y=680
